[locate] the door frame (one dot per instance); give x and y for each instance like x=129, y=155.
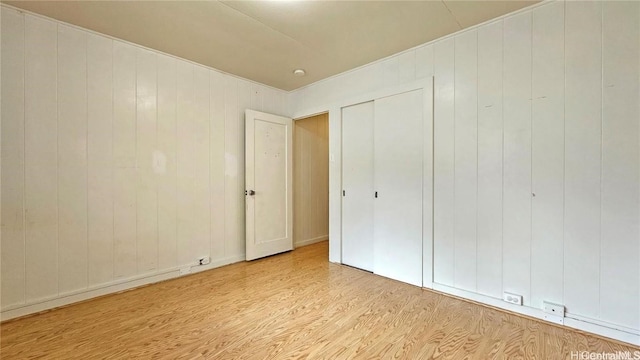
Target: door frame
x=293, y=179
x=335, y=167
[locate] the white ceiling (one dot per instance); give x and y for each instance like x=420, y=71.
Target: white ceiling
x=266, y=40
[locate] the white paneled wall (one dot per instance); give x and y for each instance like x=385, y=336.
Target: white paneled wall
x=100, y=173
x=13, y=195
x=547, y=163
x=119, y=163
x=72, y=159
x=443, y=169
x=40, y=158
x=554, y=156
x=536, y=163
x=583, y=131
x=465, y=159
x=619, y=236
x=516, y=152
x=490, y=132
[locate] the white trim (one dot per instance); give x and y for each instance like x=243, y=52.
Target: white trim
x=108, y=288
x=602, y=331
x=31, y=13
x=431, y=42
x=608, y=330
x=499, y=18
x=362, y=98
x=580, y=318
x=314, y=240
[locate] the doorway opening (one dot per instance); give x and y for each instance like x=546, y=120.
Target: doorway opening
x=310, y=180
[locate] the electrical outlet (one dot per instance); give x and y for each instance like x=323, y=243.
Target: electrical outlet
x=553, y=312
x=204, y=260
x=512, y=298
x=553, y=309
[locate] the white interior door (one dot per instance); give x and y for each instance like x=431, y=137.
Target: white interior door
x=268, y=155
x=398, y=163
x=357, y=186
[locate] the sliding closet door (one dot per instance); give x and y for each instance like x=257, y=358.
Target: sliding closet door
x=357, y=185
x=398, y=152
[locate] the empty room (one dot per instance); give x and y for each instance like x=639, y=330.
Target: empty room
x=309, y=179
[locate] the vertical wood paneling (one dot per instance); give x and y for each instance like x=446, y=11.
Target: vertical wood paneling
x=427, y=187
x=124, y=157
x=444, y=165
x=363, y=81
x=217, y=163
x=165, y=162
x=13, y=167
x=583, y=124
x=619, y=278
x=407, y=66
x=41, y=144
x=387, y=73
x=244, y=102
x=233, y=240
x=233, y=227
x=146, y=167
x=517, y=156
x=273, y=102
x=185, y=152
x=465, y=159
x=424, y=61
x=72, y=159
x=310, y=179
x=257, y=96
x=100, y=158
x=201, y=214
x=115, y=142
x=489, y=261
x=547, y=220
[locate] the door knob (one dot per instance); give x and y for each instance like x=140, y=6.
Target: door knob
x=251, y=192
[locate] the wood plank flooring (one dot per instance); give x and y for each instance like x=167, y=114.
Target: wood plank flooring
x=290, y=306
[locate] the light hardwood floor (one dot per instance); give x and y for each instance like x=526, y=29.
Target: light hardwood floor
x=294, y=305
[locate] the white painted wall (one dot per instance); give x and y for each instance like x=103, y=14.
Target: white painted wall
x=541, y=101
x=120, y=165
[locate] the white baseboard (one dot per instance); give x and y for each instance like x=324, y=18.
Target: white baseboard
x=310, y=241
x=603, y=329
x=608, y=330
x=35, y=306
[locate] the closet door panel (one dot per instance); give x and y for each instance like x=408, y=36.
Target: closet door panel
x=357, y=184
x=398, y=169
